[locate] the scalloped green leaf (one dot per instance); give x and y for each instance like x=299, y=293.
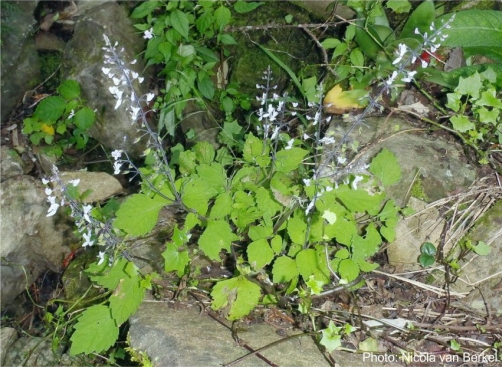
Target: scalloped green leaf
x=216, y=237
x=139, y=214
x=238, y=295
x=386, y=167
x=95, y=331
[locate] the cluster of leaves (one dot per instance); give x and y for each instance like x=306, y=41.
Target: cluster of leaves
x=259, y=203
x=477, y=104
x=366, y=52
x=187, y=39
x=103, y=320
x=61, y=121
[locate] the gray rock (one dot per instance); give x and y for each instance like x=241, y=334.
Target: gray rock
x=101, y=185
x=30, y=242
x=11, y=163
x=83, y=60
x=424, y=226
x=440, y=165
x=188, y=337
x=31, y=351
x=8, y=336
x=483, y=274
x=20, y=68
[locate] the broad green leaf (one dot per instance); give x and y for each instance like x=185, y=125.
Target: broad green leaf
x=126, y=299
x=222, y=16
x=266, y=203
x=50, y=109
x=244, y=216
x=461, y=123
x=314, y=285
x=222, y=206
x=214, y=176
x=364, y=247
x=191, y=221
x=329, y=216
x=239, y=295
x=276, y=244
x=331, y=337
x=185, y=51
x=470, y=86
x=109, y=277
x=482, y=248
x=69, y=89
x=359, y=200
x=216, y=237
x=356, y=57
x=95, y=331
x=342, y=230
x=297, y=229
x=399, y=6
x=204, y=21
x=289, y=160
x=179, y=21
x=284, y=269
x=255, y=151
x=307, y=262
x=259, y=253
x=206, y=87
x=139, y=214
x=204, y=152
x=259, y=232
x=175, y=260
x=421, y=18
x=144, y=9
x=196, y=194
x=227, y=39
x=426, y=260
x=428, y=249
x=473, y=28
x=243, y=7
x=84, y=118
x=386, y=167
x=348, y=269
x=330, y=43
x=187, y=162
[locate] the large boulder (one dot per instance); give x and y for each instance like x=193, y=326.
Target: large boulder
x=30, y=242
x=83, y=61
x=20, y=69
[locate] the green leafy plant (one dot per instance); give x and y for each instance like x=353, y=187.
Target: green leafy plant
x=427, y=254
x=477, y=111
x=271, y=203
x=61, y=121
x=187, y=39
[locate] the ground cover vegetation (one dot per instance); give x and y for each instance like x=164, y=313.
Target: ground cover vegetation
x=266, y=198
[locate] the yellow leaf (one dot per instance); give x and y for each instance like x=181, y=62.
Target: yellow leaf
x=339, y=101
x=47, y=129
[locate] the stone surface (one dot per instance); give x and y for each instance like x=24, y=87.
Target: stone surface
x=11, y=163
x=30, y=351
x=483, y=274
x=8, y=336
x=188, y=337
x=440, y=165
x=425, y=226
x=101, y=184
x=83, y=60
x=30, y=242
x=20, y=66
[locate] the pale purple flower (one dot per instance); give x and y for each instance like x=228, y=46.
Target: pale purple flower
x=87, y=239
x=54, y=206
x=148, y=34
